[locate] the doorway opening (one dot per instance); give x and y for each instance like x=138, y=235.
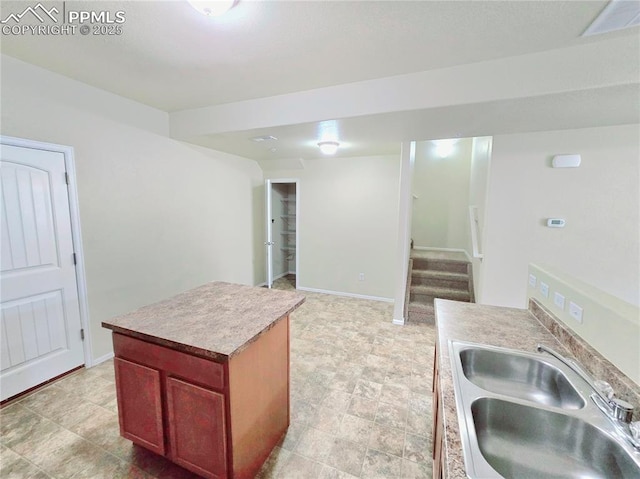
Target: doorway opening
x=282, y=233
x=449, y=190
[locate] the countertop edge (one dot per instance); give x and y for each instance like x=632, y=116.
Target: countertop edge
x=204, y=353
x=185, y=348
x=216, y=320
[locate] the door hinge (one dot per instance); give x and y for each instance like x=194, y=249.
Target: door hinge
x=75, y=259
x=82, y=334
x=66, y=177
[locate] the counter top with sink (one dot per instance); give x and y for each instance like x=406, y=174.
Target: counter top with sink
x=513, y=329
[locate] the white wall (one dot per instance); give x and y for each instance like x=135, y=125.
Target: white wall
x=600, y=244
x=348, y=223
x=158, y=216
x=440, y=211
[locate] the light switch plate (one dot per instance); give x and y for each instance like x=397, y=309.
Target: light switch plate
x=532, y=280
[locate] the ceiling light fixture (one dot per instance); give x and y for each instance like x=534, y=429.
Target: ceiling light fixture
x=328, y=147
x=212, y=8
x=444, y=147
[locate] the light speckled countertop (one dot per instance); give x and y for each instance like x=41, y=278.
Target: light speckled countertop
x=215, y=320
x=511, y=328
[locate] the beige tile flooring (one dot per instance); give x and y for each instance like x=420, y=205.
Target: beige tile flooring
x=360, y=407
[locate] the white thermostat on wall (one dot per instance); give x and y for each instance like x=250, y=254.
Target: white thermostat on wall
x=555, y=223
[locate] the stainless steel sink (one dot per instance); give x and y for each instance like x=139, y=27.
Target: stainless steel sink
x=519, y=376
x=521, y=441
x=524, y=415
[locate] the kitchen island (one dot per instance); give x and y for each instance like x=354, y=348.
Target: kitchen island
x=203, y=378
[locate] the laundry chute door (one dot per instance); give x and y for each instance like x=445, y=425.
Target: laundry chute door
x=40, y=330
x=269, y=229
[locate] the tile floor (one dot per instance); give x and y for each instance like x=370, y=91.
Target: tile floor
x=360, y=407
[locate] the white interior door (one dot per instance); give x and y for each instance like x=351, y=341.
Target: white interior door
x=40, y=330
x=269, y=227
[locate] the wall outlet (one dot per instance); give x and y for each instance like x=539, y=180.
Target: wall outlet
x=361, y=277
x=575, y=311
x=532, y=280
x=544, y=289
x=558, y=300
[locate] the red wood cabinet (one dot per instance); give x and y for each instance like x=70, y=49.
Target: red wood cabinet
x=218, y=419
x=197, y=428
x=140, y=404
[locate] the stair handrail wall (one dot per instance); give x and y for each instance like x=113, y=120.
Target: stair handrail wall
x=475, y=231
x=408, y=291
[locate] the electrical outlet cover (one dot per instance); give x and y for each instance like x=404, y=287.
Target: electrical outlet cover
x=558, y=300
x=575, y=311
x=544, y=289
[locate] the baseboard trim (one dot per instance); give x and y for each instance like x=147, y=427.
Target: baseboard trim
x=350, y=295
x=102, y=359
x=452, y=250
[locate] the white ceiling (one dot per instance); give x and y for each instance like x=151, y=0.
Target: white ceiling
x=172, y=58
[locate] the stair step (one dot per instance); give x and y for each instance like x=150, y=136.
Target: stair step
x=417, y=306
x=426, y=294
x=421, y=313
x=421, y=316
x=432, y=278
x=442, y=279
x=452, y=266
x=431, y=273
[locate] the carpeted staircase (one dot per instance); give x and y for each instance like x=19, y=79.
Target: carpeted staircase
x=445, y=275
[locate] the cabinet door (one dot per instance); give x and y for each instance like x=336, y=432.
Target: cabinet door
x=435, y=402
x=140, y=404
x=438, y=439
x=197, y=434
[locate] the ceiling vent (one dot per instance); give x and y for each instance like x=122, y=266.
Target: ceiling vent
x=618, y=14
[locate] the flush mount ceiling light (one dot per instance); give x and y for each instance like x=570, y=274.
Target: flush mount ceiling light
x=444, y=147
x=212, y=8
x=328, y=147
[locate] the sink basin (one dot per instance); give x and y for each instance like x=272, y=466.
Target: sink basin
x=523, y=415
x=519, y=376
x=521, y=441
